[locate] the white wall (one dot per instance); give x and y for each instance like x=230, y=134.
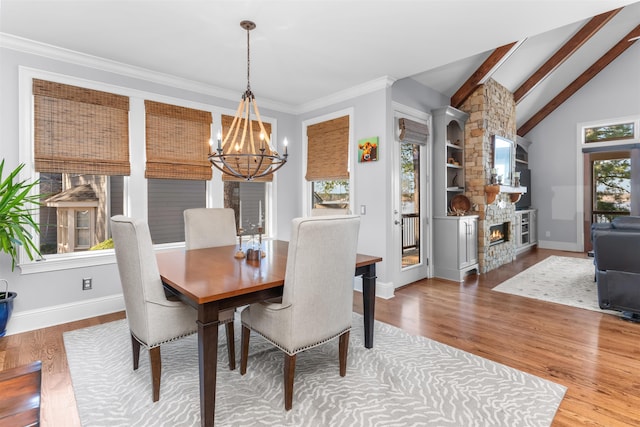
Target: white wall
x=553, y=158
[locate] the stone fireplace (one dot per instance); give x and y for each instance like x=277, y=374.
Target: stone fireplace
x=492, y=111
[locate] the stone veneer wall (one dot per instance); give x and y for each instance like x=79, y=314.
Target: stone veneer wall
x=492, y=111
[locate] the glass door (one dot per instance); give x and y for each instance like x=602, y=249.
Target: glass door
x=410, y=204
x=611, y=188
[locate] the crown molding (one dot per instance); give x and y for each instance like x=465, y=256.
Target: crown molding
x=20, y=44
x=350, y=93
x=77, y=58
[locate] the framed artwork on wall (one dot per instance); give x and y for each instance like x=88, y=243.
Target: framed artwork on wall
x=368, y=149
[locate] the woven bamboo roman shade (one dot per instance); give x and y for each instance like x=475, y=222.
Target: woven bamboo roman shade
x=78, y=130
x=413, y=132
x=226, y=126
x=328, y=150
x=177, y=142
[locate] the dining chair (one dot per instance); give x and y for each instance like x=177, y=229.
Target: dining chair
x=153, y=319
x=208, y=228
x=317, y=299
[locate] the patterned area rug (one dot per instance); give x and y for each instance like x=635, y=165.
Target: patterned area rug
x=403, y=381
x=563, y=280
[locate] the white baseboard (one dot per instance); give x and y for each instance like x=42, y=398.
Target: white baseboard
x=50, y=316
x=383, y=290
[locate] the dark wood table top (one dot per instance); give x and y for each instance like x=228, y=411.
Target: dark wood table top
x=213, y=274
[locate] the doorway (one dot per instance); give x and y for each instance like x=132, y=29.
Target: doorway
x=410, y=212
x=607, y=188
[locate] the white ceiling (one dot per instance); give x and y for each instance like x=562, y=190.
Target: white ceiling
x=306, y=50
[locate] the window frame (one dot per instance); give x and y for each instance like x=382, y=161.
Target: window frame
x=136, y=183
x=307, y=194
x=582, y=127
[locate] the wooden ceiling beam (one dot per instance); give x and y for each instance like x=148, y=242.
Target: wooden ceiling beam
x=568, y=49
x=478, y=76
x=625, y=43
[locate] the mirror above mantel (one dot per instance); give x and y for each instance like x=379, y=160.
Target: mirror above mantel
x=492, y=192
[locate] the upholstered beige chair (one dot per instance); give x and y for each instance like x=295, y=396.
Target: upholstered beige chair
x=153, y=319
x=208, y=228
x=317, y=300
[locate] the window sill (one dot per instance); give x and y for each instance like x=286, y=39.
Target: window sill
x=81, y=260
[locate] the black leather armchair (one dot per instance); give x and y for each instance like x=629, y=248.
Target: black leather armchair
x=616, y=249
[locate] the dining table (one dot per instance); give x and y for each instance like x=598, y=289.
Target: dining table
x=214, y=279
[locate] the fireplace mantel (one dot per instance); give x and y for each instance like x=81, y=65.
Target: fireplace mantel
x=493, y=190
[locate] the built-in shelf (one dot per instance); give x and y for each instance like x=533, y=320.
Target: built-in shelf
x=492, y=192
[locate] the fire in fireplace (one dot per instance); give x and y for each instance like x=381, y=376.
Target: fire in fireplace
x=499, y=233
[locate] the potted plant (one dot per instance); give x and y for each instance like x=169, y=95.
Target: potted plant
x=16, y=223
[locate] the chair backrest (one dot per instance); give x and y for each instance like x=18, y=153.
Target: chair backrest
x=319, y=276
x=209, y=227
x=138, y=270
x=330, y=211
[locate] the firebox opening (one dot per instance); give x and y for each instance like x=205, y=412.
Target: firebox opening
x=499, y=233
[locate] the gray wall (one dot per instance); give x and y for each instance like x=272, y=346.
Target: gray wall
x=553, y=155
x=38, y=292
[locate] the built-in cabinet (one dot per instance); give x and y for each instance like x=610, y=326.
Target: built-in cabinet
x=526, y=229
x=455, y=252
x=448, y=157
x=455, y=238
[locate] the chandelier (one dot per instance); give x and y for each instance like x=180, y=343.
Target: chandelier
x=241, y=154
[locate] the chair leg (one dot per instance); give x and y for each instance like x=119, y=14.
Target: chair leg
x=244, y=349
x=289, y=373
x=231, y=345
x=343, y=350
x=156, y=370
x=135, y=347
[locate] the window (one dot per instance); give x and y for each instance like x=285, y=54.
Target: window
x=609, y=132
x=328, y=163
x=177, y=168
x=167, y=200
x=81, y=144
x=330, y=194
x=248, y=200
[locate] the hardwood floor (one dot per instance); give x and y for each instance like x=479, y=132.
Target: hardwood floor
x=596, y=356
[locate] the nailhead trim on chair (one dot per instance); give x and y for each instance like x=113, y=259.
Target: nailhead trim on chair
x=149, y=347
x=296, y=351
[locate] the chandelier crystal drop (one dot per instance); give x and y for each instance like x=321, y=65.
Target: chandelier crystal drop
x=240, y=154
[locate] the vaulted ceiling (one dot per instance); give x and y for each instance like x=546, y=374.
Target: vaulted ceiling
x=307, y=51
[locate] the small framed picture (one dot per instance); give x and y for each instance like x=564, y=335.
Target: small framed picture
x=368, y=149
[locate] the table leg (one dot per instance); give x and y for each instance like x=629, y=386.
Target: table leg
x=369, y=303
x=208, y=360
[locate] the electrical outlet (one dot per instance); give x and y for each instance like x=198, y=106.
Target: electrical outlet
x=363, y=209
x=86, y=284
x=547, y=234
